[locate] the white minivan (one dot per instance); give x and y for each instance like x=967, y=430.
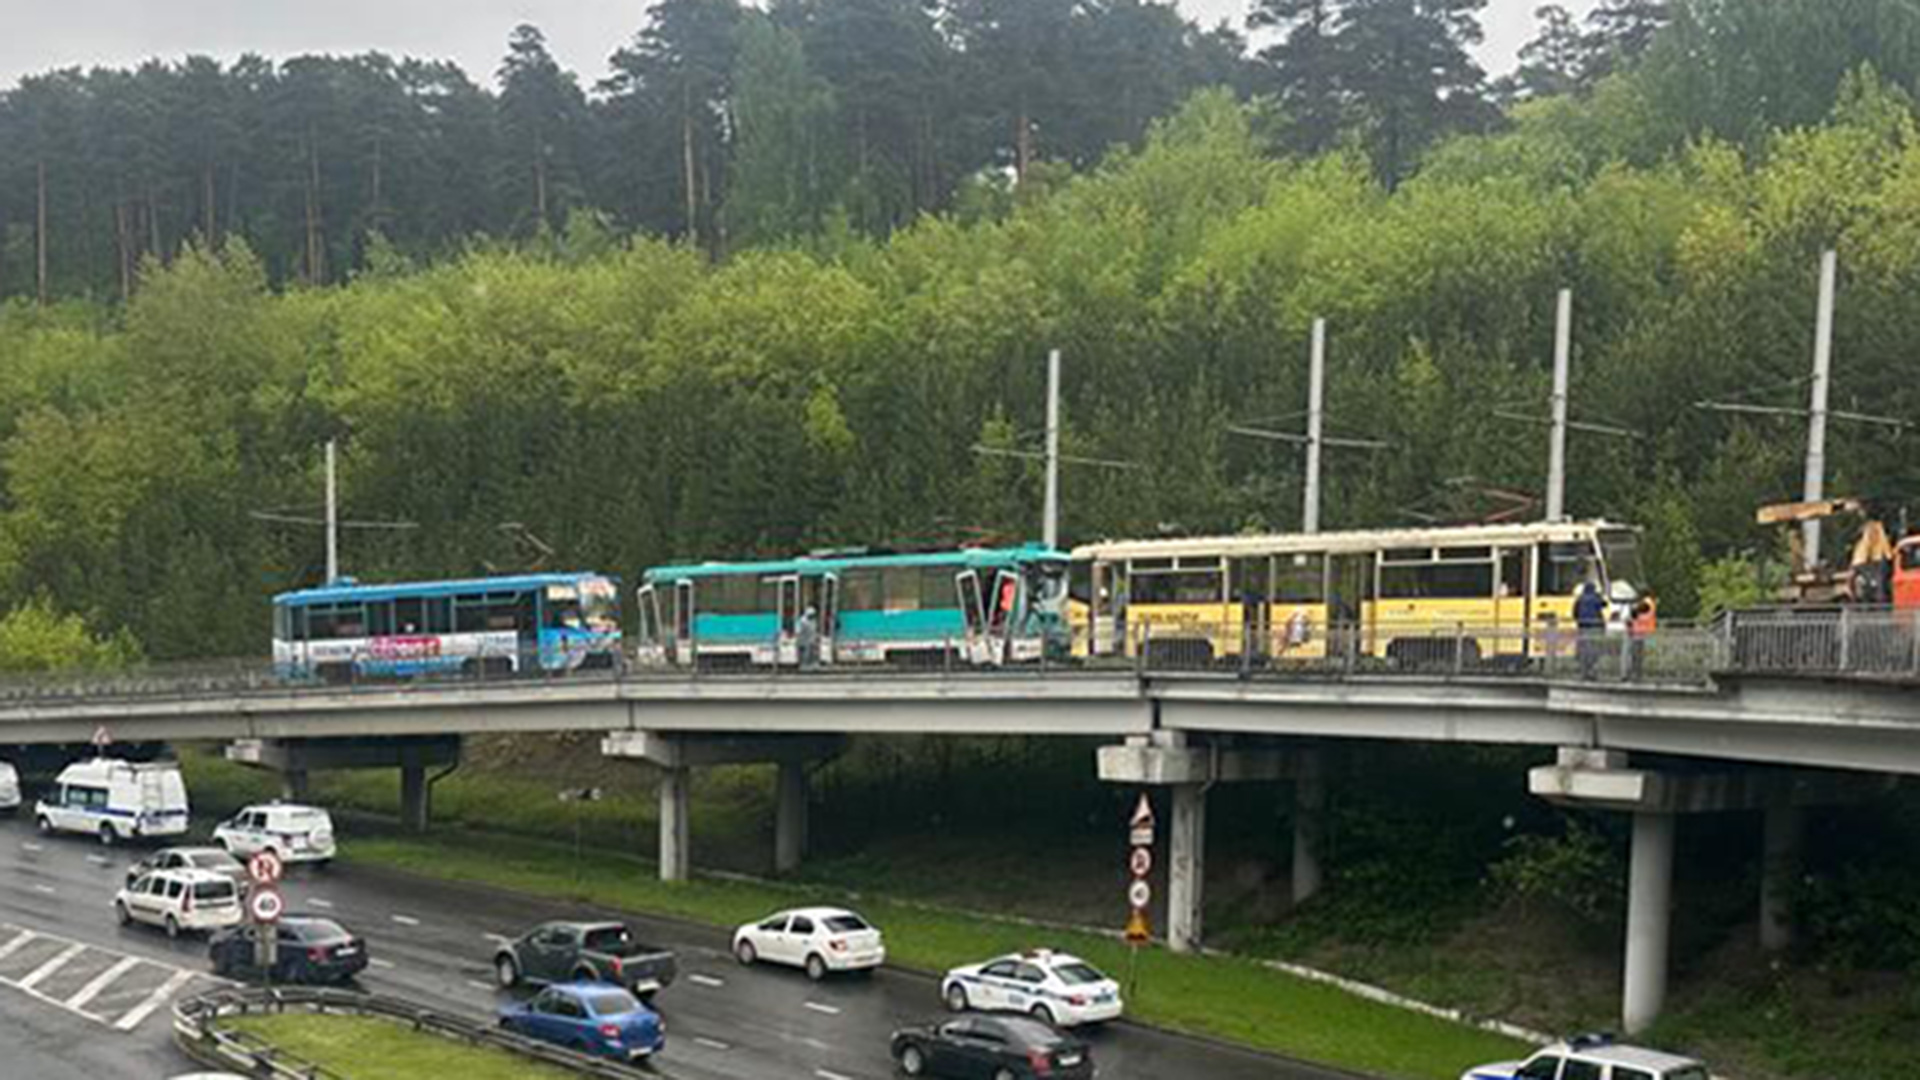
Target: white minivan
x=295, y=833
x=9, y=788
x=177, y=900
x=116, y=800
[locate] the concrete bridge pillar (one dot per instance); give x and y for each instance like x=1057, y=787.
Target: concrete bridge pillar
x=676, y=861
x=1783, y=833
x=416, y=797
x=790, y=817
x=1649, y=919
x=1309, y=825
x=1187, y=868
x=294, y=785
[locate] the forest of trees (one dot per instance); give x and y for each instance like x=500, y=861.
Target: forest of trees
x=529, y=356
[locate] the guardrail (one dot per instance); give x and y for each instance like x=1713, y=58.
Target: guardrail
x=1876, y=643
x=197, y=1031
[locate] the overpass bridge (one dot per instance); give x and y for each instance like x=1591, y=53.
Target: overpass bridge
x=1771, y=717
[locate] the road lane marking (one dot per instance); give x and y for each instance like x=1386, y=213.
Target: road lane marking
x=154, y=1000
x=830, y=1010
x=498, y=939
x=99, y=860
x=405, y=920
x=47, y=889
x=379, y=963
x=319, y=903
x=46, y=970
x=28, y=845
x=829, y=1074
x=711, y=1044
x=706, y=980
x=102, y=981
x=13, y=946
x=478, y=985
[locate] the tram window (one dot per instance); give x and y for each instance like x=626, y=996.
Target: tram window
x=732, y=594
x=1437, y=581
x=1407, y=555
x=859, y=590
x=1466, y=554
x=1513, y=572
x=1080, y=582
x=1179, y=587
x=936, y=586
x=901, y=588
x=1141, y=566
x=380, y=617
x=1563, y=567
x=409, y=615
x=1300, y=579
x=470, y=614
x=282, y=623
x=439, y=615
x=1250, y=578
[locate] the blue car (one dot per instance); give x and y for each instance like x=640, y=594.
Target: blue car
x=591, y=1017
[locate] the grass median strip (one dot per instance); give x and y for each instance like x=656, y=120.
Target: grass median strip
x=1229, y=999
x=374, y=1048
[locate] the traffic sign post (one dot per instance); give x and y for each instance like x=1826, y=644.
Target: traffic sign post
x=265, y=905
x=265, y=868
x=576, y=796
x=1140, y=835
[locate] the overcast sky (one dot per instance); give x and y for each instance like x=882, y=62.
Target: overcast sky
x=43, y=34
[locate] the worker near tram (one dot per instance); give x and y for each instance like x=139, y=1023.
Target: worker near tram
x=1590, y=616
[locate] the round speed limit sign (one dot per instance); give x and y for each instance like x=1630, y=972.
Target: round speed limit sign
x=1139, y=894
x=1141, y=862
x=265, y=905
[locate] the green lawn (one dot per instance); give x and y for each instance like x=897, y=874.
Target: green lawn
x=1228, y=999
x=372, y=1048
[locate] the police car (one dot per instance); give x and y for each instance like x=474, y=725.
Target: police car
x=1052, y=987
x=1592, y=1057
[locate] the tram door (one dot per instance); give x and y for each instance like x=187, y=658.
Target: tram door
x=653, y=644
x=683, y=644
x=820, y=595
x=1350, y=604
x=977, y=648
x=1003, y=608
x=787, y=637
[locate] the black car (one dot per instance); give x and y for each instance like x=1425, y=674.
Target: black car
x=976, y=1047
x=311, y=949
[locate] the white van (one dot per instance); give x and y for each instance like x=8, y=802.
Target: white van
x=116, y=800
x=9, y=788
x=298, y=834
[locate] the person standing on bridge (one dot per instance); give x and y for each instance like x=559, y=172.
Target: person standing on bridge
x=1590, y=616
x=807, y=635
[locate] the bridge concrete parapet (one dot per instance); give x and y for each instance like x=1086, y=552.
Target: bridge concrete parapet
x=296, y=760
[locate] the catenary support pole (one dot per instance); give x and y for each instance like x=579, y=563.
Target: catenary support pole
x=333, y=516
x=1649, y=919
x=1782, y=835
x=1816, y=477
x=790, y=817
x=675, y=858
x=1309, y=826
x=1051, y=527
x=1187, y=867
x=1316, y=397
x=415, y=796
x=1557, y=445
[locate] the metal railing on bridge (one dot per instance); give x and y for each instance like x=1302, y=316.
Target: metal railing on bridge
x=1846, y=643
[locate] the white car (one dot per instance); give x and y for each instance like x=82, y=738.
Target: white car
x=191, y=858
x=116, y=800
x=819, y=939
x=1052, y=987
x=180, y=900
x=298, y=834
x=9, y=788
x=1592, y=1057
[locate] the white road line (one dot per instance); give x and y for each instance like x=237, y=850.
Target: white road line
x=44, y=971
x=706, y=980
x=405, y=920
x=47, y=889
x=13, y=946
x=711, y=1044
x=99, y=860
x=379, y=963
x=829, y=1074
x=319, y=903
x=478, y=985
x=830, y=1010
x=154, y=1001
x=102, y=981
x=28, y=845
x=498, y=939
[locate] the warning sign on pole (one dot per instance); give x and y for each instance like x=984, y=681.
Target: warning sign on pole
x=1140, y=829
x=1139, y=928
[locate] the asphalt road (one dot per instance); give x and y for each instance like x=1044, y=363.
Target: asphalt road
x=101, y=1012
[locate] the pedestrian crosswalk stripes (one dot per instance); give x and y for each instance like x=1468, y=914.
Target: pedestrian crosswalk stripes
x=104, y=985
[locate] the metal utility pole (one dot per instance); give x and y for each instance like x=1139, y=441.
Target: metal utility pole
x=1816, y=477
x=333, y=518
x=1050, y=529
x=1316, y=395
x=1557, y=446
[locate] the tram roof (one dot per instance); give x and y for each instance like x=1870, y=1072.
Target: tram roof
x=1350, y=541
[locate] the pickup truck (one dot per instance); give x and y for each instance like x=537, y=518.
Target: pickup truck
x=559, y=952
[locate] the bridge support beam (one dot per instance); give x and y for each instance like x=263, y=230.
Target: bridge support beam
x=1782, y=834
x=297, y=759
x=1166, y=759
x=676, y=856
x=1601, y=779
x=678, y=755
x=1649, y=920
